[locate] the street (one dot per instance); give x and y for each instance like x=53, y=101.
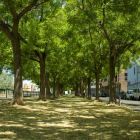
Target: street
x=133, y=104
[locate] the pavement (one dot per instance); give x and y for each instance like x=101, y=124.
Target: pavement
x=132, y=104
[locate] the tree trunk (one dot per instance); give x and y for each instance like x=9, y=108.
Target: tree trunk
x=81, y=86
x=53, y=87
x=76, y=90
x=86, y=87
x=57, y=88
x=61, y=89
x=112, y=98
x=89, y=90
x=48, y=95
x=97, y=85
x=17, y=98
x=42, y=79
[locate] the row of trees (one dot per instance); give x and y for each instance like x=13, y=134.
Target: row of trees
x=67, y=42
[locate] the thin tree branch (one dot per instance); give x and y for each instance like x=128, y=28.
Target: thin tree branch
x=12, y=9
x=39, y=4
x=37, y=54
x=106, y=34
x=126, y=47
x=34, y=59
x=82, y=8
x=4, y=28
x=104, y=58
x=90, y=34
x=83, y=3
x=91, y=43
x=30, y=53
x=33, y=5
x=22, y=39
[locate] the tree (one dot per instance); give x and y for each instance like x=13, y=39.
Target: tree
x=123, y=23
x=42, y=38
x=9, y=25
x=116, y=21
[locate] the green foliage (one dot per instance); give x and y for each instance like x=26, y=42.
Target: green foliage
x=70, y=36
x=6, y=81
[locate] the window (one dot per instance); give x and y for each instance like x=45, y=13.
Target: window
x=134, y=71
x=125, y=76
x=105, y=80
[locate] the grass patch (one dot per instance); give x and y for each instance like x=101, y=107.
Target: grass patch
x=67, y=118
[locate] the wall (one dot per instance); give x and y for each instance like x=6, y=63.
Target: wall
x=133, y=77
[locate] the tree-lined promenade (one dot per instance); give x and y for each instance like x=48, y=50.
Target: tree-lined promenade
x=66, y=44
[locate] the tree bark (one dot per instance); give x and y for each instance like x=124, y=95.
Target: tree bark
x=112, y=98
x=86, y=87
x=89, y=90
x=42, y=79
x=81, y=86
x=61, y=89
x=97, y=85
x=57, y=88
x=48, y=95
x=53, y=87
x=17, y=98
x=76, y=90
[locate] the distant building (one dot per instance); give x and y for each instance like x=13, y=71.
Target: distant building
x=133, y=80
x=105, y=87
x=32, y=87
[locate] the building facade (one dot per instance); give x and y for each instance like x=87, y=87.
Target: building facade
x=29, y=87
x=133, y=77
x=123, y=83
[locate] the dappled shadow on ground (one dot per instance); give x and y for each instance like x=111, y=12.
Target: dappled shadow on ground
x=67, y=118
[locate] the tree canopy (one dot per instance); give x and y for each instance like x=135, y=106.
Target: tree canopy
x=68, y=40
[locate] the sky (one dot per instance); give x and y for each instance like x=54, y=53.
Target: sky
x=27, y=82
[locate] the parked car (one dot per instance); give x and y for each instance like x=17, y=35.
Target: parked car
x=103, y=95
x=136, y=93
x=129, y=94
x=123, y=94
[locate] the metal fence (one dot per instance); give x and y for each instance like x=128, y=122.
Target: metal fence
x=8, y=93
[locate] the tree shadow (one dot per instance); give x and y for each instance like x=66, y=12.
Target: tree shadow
x=64, y=118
